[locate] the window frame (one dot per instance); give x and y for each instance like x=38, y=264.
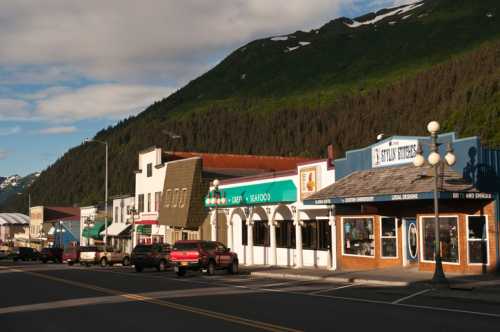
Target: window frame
x=474, y=240
x=421, y=240
x=149, y=170
x=342, y=219
x=389, y=237
x=140, y=203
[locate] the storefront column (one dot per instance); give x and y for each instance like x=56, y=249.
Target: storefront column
x=298, y=240
x=213, y=223
x=250, y=242
x=272, y=235
x=230, y=234
x=333, y=232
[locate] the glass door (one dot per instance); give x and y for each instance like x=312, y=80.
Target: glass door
x=411, y=240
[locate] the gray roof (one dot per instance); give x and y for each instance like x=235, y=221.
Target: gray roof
x=394, y=180
x=14, y=219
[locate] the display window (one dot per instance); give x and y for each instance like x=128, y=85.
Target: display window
x=358, y=238
x=448, y=234
x=285, y=234
x=260, y=233
x=388, y=237
x=477, y=239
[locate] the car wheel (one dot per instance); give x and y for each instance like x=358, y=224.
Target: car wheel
x=126, y=261
x=233, y=268
x=70, y=263
x=15, y=259
x=138, y=268
x=211, y=268
x=104, y=262
x=181, y=272
x=44, y=261
x=87, y=264
x=161, y=266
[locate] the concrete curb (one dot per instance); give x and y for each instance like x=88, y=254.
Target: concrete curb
x=330, y=279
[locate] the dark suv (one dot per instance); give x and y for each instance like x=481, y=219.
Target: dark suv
x=202, y=255
x=151, y=255
x=24, y=254
x=51, y=254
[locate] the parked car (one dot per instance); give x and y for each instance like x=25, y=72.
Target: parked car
x=5, y=253
x=202, y=255
x=71, y=255
x=151, y=255
x=53, y=254
x=112, y=257
x=24, y=254
x=90, y=255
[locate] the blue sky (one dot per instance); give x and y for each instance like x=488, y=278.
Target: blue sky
x=71, y=68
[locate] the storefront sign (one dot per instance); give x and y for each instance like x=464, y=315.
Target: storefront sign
x=262, y=193
x=308, y=181
x=394, y=152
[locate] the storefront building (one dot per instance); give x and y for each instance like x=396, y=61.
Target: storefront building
x=14, y=229
x=54, y=226
x=120, y=229
x=263, y=220
x=383, y=211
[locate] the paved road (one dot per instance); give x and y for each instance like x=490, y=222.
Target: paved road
x=54, y=297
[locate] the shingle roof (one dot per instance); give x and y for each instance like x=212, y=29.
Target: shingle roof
x=394, y=180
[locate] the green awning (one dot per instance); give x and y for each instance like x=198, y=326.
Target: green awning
x=94, y=232
x=144, y=229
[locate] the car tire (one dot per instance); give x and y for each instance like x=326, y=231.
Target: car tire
x=44, y=261
x=70, y=263
x=104, y=262
x=181, y=272
x=211, y=268
x=126, y=261
x=138, y=268
x=87, y=264
x=161, y=266
x=233, y=268
x=15, y=259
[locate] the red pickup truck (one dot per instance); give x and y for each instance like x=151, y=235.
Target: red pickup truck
x=202, y=255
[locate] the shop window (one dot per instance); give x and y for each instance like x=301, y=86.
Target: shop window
x=477, y=239
x=388, y=235
x=141, y=202
x=448, y=234
x=260, y=233
x=324, y=235
x=285, y=234
x=149, y=172
x=309, y=234
x=244, y=232
x=358, y=236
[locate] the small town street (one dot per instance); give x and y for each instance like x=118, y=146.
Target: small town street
x=78, y=298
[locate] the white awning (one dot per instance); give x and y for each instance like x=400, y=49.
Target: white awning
x=115, y=229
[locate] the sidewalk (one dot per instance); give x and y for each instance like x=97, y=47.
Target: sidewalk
x=397, y=277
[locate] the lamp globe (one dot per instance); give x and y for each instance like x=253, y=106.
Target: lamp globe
x=434, y=158
x=450, y=158
x=433, y=127
x=419, y=160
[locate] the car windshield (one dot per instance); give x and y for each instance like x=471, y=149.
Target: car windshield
x=142, y=248
x=186, y=246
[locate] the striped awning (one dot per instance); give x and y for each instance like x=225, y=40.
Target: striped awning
x=14, y=219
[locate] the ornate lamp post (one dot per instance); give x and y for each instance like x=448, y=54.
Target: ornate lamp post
x=216, y=197
x=434, y=159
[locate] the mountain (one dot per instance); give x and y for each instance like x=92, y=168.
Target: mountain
x=386, y=72
x=13, y=185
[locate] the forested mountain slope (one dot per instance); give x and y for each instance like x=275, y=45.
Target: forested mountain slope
x=389, y=72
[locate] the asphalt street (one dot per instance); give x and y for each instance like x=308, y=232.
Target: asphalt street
x=56, y=297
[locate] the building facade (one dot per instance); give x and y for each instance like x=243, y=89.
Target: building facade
x=54, y=226
x=14, y=229
x=383, y=211
x=120, y=229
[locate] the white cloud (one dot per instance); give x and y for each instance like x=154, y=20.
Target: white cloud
x=14, y=109
x=3, y=154
x=131, y=41
x=110, y=101
x=58, y=130
x=9, y=131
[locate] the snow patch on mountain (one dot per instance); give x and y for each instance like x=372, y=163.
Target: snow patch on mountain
x=378, y=18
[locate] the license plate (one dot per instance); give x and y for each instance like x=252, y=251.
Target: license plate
x=184, y=263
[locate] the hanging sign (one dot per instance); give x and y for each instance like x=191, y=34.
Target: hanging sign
x=394, y=152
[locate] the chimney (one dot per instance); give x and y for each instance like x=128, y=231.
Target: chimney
x=331, y=154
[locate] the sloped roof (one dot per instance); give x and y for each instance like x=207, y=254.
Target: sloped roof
x=405, y=179
x=61, y=213
x=14, y=219
x=240, y=161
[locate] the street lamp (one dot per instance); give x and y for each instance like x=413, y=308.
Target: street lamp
x=216, y=197
x=105, y=192
x=434, y=159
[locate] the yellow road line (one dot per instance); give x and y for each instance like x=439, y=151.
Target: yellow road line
x=172, y=305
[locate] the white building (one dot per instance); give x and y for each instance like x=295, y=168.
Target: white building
x=14, y=226
x=149, y=181
x=263, y=220
x=119, y=230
